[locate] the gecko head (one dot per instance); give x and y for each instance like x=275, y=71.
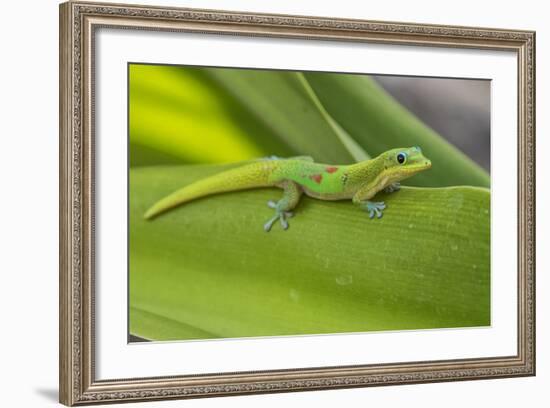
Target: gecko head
x=403, y=163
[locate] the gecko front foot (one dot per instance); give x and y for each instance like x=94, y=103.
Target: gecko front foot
x=374, y=207
x=280, y=215
x=392, y=187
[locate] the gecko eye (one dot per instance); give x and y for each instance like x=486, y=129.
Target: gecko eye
x=401, y=158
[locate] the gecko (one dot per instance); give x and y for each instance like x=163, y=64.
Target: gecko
x=300, y=175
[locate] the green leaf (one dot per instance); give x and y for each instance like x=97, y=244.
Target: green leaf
x=351, y=145
x=164, y=327
x=177, y=114
x=207, y=269
x=379, y=123
x=148, y=156
x=287, y=105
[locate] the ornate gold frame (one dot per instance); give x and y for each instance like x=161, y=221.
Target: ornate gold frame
x=78, y=22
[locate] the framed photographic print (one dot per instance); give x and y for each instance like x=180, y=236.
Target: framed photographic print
x=256, y=203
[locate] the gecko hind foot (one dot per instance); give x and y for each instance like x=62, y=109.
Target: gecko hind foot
x=282, y=216
x=374, y=207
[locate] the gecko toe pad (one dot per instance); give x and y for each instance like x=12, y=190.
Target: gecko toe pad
x=282, y=216
x=374, y=208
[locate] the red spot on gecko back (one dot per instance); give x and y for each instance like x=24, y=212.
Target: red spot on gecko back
x=331, y=169
x=317, y=178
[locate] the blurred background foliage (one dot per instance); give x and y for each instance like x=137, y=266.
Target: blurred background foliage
x=212, y=115
x=424, y=265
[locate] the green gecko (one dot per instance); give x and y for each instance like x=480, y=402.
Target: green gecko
x=298, y=175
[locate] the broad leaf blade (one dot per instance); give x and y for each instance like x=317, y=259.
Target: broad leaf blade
x=210, y=268
x=285, y=103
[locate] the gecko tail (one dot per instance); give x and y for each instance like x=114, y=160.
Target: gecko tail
x=251, y=175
